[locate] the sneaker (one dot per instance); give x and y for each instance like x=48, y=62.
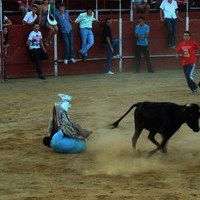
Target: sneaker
x=73, y=60
x=172, y=47
x=110, y=72
x=116, y=56
x=42, y=77
x=80, y=55
x=195, y=92
x=151, y=71
x=84, y=58
x=65, y=61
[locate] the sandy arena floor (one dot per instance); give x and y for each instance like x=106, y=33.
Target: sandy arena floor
x=108, y=170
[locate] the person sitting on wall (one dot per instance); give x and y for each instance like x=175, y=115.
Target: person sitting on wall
x=85, y=21
x=140, y=6
x=65, y=136
x=31, y=16
x=47, y=9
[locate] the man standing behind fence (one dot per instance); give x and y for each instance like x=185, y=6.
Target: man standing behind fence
x=36, y=47
x=169, y=14
x=87, y=37
x=111, y=45
x=142, y=47
x=62, y=17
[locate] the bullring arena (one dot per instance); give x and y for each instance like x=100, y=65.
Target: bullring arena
x=108, y=169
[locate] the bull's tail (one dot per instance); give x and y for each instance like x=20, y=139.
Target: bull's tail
x=116, y=123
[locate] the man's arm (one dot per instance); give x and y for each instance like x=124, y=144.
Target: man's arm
x=32, y=2
x=178, y=52
x=110, y=44
x=178, y=16
x=161, y=15
x=42, y=45
x=79, y=19
x=7, y=23
x=28, y=42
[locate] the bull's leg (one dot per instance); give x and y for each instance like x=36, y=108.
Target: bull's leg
x=136, y=136
x=162, y=147
x=151, y=137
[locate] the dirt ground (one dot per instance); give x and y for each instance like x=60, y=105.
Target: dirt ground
x=109, y=169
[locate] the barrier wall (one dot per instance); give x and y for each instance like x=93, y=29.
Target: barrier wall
x=19, y=64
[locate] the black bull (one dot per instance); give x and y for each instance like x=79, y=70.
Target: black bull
x=161, y=117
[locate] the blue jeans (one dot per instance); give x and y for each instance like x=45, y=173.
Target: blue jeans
x=189, y=71
x=115, y=44
x=172, y=29
x=87, y=39
x=68, y=39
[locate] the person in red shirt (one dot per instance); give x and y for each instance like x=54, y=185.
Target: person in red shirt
x=187, y=49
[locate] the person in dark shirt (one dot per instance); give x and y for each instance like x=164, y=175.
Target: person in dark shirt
x=111, y=45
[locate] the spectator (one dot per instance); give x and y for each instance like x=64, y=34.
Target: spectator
x=169, y=14
x=87, y=37
x=140, y=6
x=194, y=3
x=6, y=24
x=31, y=16
x=36, y=47
x=182, y=4
x=53, y=29
x=142, y=47
x=24, y=7
x=187, y=48
x=62, y=17
x=5, y=40
x=111, y=45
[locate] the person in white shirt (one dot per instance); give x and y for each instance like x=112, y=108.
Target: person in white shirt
x=30, y=17
x=35, y=44
x=87, y=37
x=169, y=14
